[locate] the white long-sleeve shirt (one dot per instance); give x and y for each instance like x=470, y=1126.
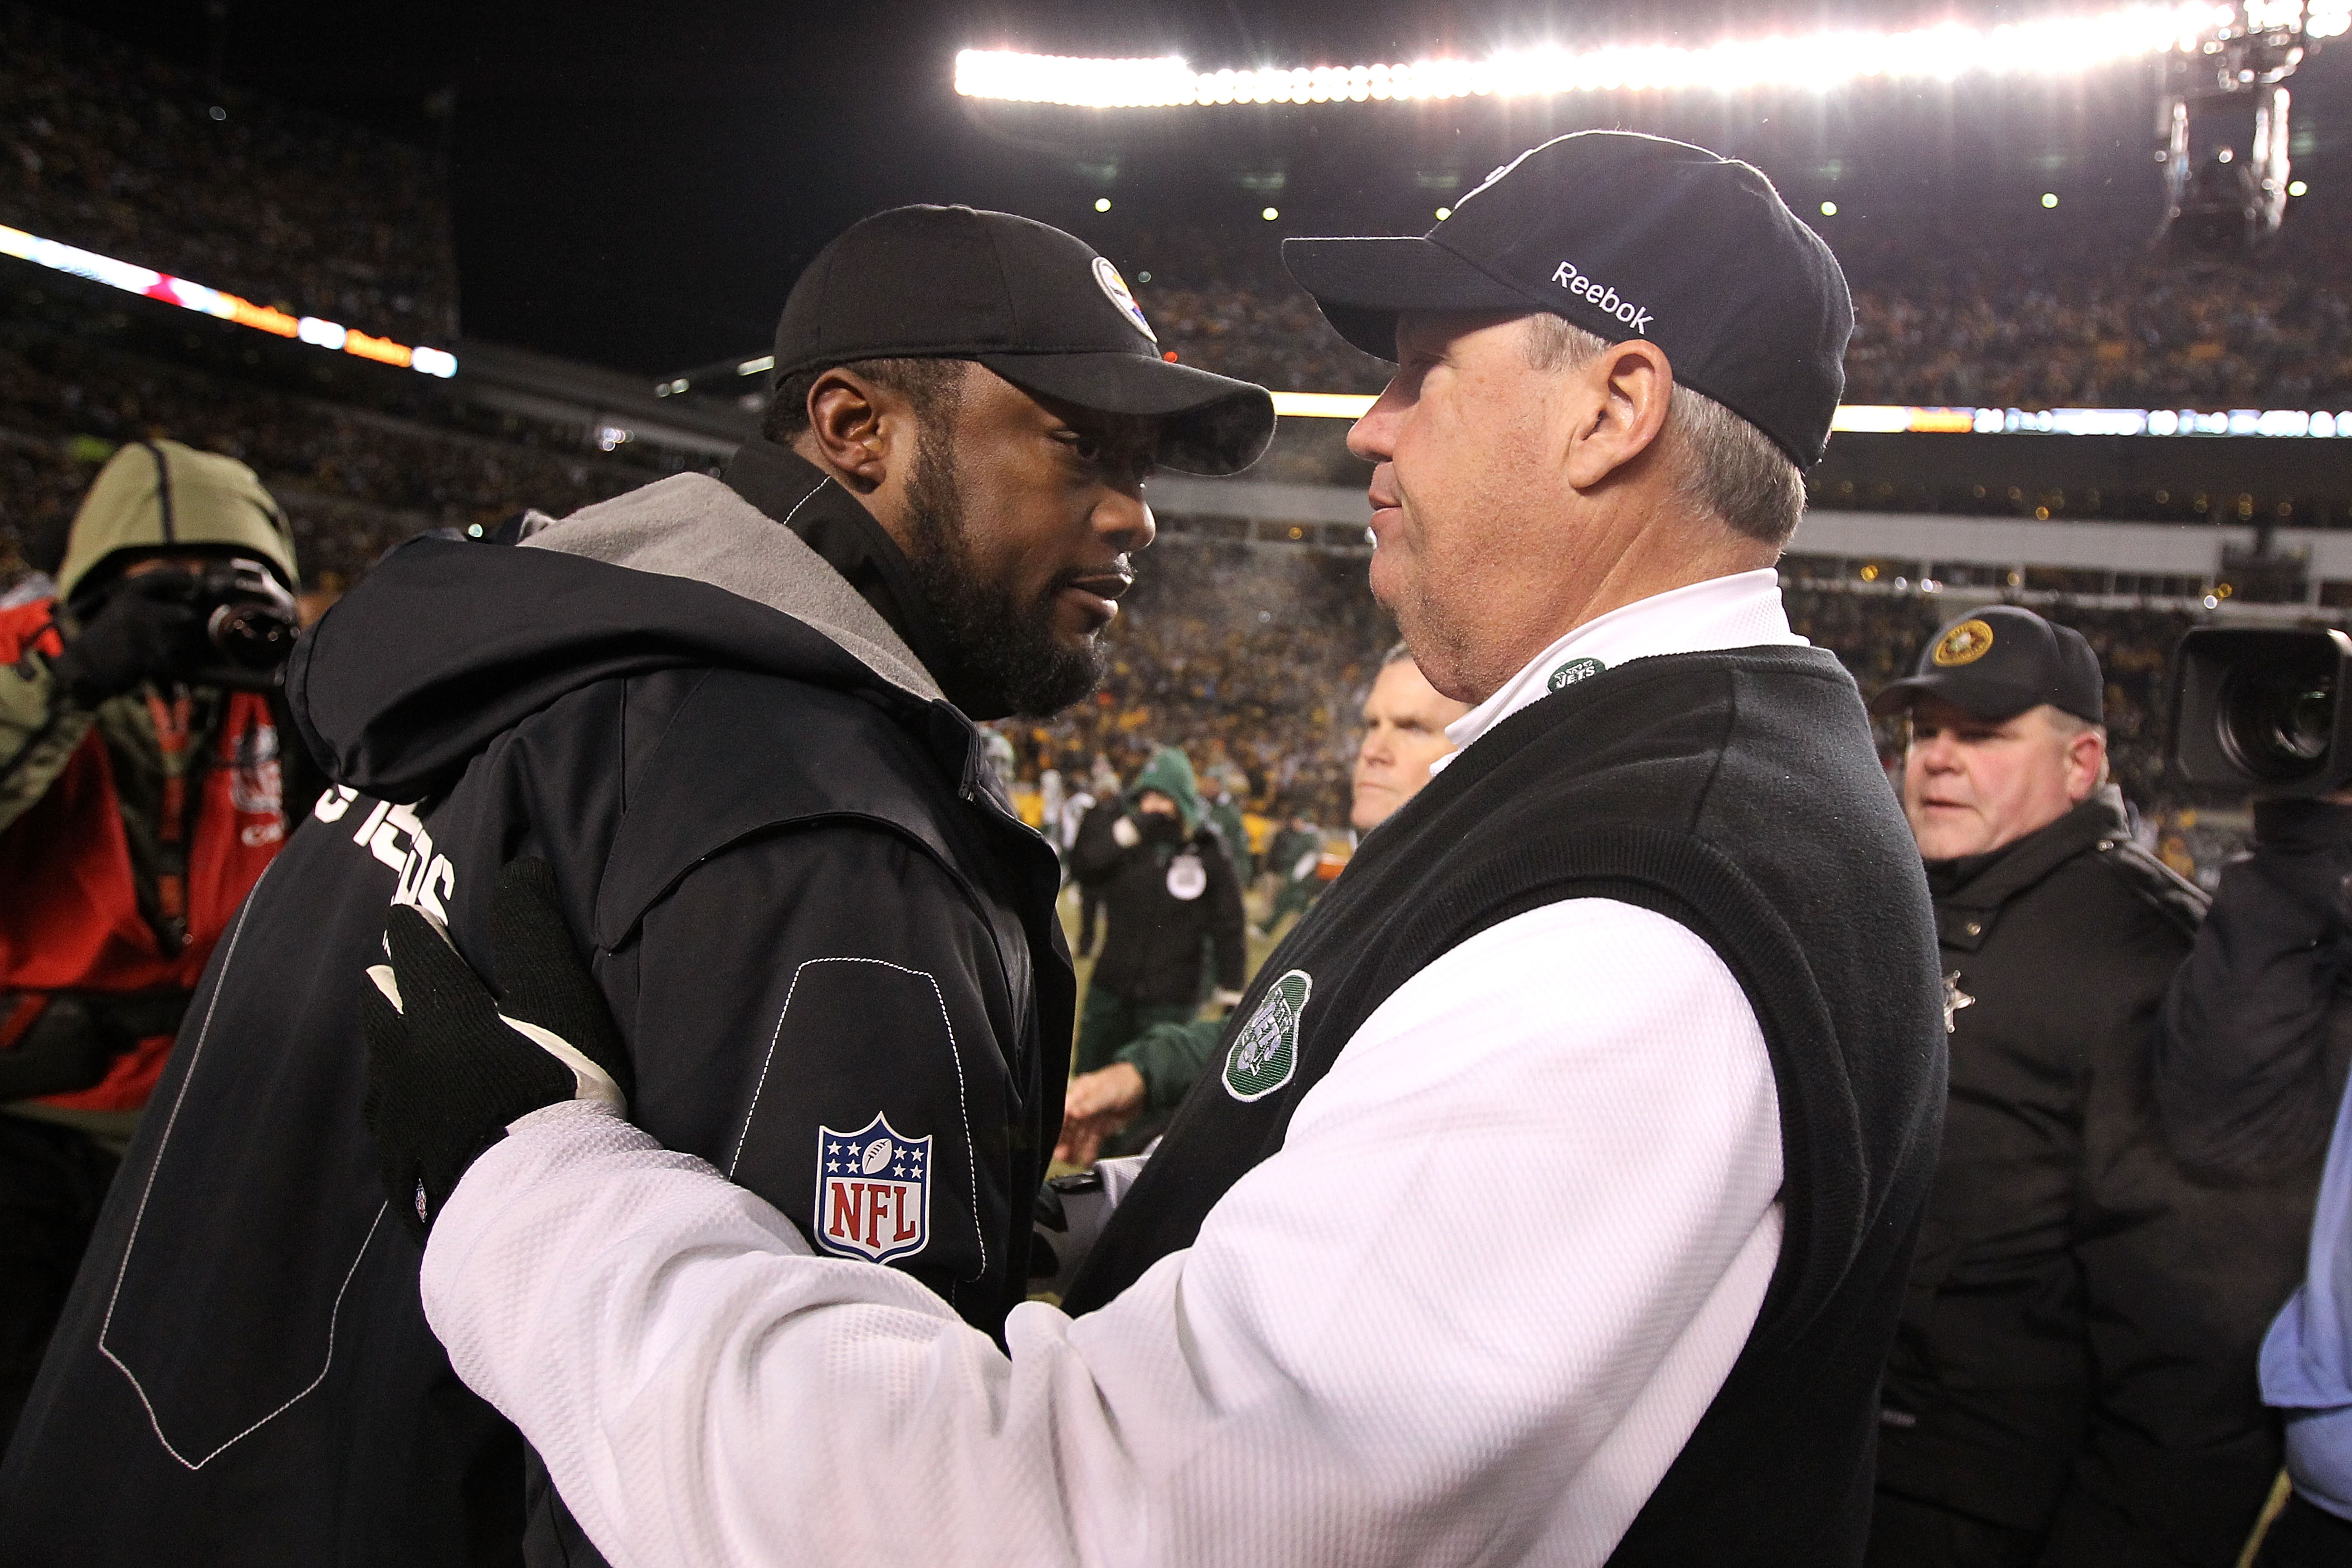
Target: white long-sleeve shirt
x=1470, y=1311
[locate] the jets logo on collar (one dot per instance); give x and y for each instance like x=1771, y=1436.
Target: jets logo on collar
x=873, y=1191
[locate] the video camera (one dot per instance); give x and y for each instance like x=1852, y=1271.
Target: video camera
x=2263, y=710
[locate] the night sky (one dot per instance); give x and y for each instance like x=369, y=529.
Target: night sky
x=638, y=185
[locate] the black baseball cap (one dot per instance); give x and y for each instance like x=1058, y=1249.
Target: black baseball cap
x=1626, y=236
x=1999, y=662
x=1037, y=306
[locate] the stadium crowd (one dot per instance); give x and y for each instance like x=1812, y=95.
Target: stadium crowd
x=126, y=154
x=1946, y=315
x=355, y=481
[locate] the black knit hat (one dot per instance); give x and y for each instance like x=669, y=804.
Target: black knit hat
x=1626, y=236
x=1037, y=306
x=1999, y=662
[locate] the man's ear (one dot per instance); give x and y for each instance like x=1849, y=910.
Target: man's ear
x=849, y=429
x=1618, y=403
x=2086, y=757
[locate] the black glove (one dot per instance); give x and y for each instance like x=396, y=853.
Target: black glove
x=150, y=628
x=450, y=1067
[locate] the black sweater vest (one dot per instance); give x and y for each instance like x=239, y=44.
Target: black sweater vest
x=1737, y=794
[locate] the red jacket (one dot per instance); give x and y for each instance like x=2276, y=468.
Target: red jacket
x=70, y=915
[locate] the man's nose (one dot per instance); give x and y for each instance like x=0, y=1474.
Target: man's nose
x=1373, y=435
x=1124, y=518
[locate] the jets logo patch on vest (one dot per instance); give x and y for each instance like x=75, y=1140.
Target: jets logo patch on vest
x=1265, y=1053
x=873, y=1191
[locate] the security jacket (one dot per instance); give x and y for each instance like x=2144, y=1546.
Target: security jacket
x=820, y=929
x=2076, y=1354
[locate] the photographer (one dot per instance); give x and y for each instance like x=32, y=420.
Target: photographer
x=140, y=798
x=2249, y=1075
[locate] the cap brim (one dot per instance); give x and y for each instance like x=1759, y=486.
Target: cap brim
x=1994, y=701
x=1363, y=285
x=1211, y=424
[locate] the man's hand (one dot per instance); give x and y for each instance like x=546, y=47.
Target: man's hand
x=1098, y=1105
x=450, y=1068
x=148, y=629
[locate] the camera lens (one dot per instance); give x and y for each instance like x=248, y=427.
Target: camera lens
x=2278, y=720
x=253, y=637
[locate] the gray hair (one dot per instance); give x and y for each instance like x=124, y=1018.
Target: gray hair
x=1398, y=654
x=1730, y=469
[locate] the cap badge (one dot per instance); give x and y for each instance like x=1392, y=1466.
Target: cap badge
x=1574, y=670
x=1964, y=644
x=1115, y=290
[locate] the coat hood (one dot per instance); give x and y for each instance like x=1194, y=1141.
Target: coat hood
x=446, y=645
x=1169, y=772
x=155, y=495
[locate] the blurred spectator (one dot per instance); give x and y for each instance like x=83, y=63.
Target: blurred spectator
x=1170, y=893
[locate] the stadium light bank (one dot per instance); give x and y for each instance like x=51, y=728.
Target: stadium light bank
x=2050, y=46
x=133, y=278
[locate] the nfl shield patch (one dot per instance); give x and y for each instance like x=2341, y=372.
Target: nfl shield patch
x=1265, y=1053
x=873, y=1191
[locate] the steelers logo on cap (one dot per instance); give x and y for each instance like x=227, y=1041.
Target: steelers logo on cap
x=1116, y=288
x=1964, y=644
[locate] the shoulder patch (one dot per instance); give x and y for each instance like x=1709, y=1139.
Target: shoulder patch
x=873, y=1191
x=1265, y=1053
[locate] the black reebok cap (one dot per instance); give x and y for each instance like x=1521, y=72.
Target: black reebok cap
x=1626, y=236
x=1037, y=306
x=2001, y=661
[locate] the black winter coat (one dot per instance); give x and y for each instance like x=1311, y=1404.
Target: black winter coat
x=1165, y=900
x=807, y=905
x=2076, y=1353
x=2257, y=1027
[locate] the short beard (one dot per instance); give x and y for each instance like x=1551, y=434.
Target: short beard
x=1008, y=660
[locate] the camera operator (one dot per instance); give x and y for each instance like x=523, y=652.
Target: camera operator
x=2250, y=1078
x=140, y=798
x=2072, y=1378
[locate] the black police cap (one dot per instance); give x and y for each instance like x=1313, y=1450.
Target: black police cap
x=1626, y=236
x=1037, y=306
x=1999, y=662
